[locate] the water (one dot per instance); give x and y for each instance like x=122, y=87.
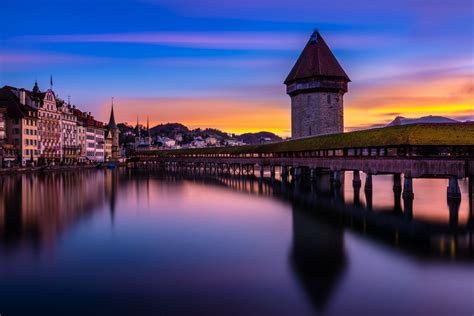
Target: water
x=139, y=243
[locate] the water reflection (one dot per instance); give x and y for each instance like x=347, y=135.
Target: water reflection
x=35, y=209
x=178, y=237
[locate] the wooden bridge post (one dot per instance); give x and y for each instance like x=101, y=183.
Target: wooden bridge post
x=397, y=182
x=368, y=182
x=336, y=179
x=453, y=205
x=408, y=187
x=312, y=174
x=297, y=173
x=471, y=201
x=453, y=188
x=356, y=194
x=262, y=171
x=356, y=179
x=284, y=171
x=272, y=171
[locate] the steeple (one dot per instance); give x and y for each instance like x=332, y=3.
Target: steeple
x=36, y=88
x=148, y=127
x=137, y=128
x=112, y=123
x=316, y=60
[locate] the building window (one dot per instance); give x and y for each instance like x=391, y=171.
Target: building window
x=329, y=99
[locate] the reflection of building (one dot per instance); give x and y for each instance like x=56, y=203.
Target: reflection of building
x=316, y=85
x=35, y=209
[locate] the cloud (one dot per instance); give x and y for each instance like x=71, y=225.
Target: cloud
x=232, y=40
x=19, y=58
x=221, y=40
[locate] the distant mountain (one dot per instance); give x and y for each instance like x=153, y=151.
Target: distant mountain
x=400, y=120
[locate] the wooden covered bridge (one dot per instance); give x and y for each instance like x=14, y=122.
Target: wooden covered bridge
x=416, y=151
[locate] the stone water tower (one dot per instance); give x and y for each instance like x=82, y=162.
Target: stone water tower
x=316, y=85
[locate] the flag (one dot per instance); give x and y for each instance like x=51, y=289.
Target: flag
x=51, y=80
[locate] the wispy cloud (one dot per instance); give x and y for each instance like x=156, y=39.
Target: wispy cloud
x=20, y=58
x=222, y=40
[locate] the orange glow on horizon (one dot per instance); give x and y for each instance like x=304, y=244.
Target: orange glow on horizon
x=451, y=97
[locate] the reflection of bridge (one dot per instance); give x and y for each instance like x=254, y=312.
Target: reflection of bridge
x=415, y=151
x=325, y=205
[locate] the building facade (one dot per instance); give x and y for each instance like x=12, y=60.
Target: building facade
x=69, y=133
x=49, y=127
x=316, y=85
x=95, y=139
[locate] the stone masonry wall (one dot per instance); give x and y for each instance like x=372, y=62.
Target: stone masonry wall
x=316, y=113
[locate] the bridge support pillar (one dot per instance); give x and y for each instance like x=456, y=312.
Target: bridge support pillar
x=453, y=205
x=336, y=179
x=272, y=171
x=357, y=195
x=408, y=188
x=397, y=182
x=312, y=174
x=356, y=183
x=453, y=188
x=368, y=182
x=284, y=171
x=262, y=171
x=297, y=173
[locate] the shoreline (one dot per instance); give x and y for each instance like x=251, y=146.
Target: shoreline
x=26, y=170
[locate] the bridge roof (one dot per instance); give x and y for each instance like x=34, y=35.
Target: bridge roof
x=453, y=134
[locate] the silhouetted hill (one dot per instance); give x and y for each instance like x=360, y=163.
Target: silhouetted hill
x=256, y=138
x=170, y=130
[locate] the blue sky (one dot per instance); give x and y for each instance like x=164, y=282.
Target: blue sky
x=201, y=62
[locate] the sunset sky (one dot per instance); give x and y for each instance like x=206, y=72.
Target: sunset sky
x=222, y=64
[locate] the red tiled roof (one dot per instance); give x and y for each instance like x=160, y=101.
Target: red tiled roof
x=316, y=60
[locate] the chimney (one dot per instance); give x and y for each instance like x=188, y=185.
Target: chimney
x=22, y=96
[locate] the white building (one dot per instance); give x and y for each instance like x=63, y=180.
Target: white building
x=69, y=133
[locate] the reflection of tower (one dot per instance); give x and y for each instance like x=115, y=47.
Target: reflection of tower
x=318, y=257
x=112, y=182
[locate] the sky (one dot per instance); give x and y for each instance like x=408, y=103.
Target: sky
x=222, y=64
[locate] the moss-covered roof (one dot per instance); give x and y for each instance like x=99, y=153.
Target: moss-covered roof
x=457, y=134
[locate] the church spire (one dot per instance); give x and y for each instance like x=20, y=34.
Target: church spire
x=112, y=123
x=148, y=126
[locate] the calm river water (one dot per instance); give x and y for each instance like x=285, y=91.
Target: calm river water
x=104, y=242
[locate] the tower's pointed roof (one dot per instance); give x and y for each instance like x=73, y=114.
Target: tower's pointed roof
x=316, y=60
x=112, y=123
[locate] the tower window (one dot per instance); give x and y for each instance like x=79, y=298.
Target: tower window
x=309, y=131
x=329, y=99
